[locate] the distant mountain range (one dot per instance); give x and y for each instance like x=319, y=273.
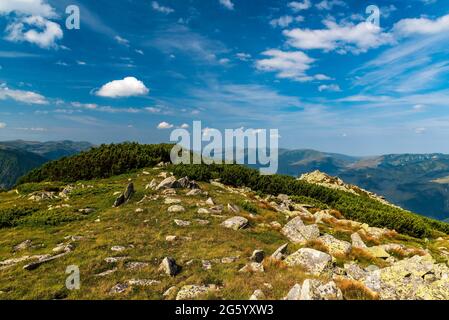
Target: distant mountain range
x=417, y=182
x=19, y=157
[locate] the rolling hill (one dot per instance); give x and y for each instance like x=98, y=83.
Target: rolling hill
x=18, y=157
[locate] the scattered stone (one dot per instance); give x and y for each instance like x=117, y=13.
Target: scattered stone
x=297, y=232
x=235, y=223
x=166, y=183
x=357, y=241
x=171, y=238
x=202, y=222
x=139, y=210
x=170, y=292
x=275, y=225
x=125, y=196
x=233, y=208
x=191, y=292
x=118, y=248
x=152, y=185
x=169, y=267
x=210, y=202
x=258, y=295
x=86, y=211
x=378, y=252
x=115, y=259
x=182, y=223
x=171, y=201
x=354, y=271
x=253, y=267
x=42, y=196
x=106, y=273
x=312, y=261
x=316, y=290
x=258, y=256
x=119, y=288
x=143, y=282
x=335, y=246
x=294, y=293
x=323, y=215
x=216, y=209
x=280, y=253
x=228, y=260
x=206, y=264
x=66, y=191
x=23, y=245
x=176, y=209
x=194, y=192
x=45, y=259
x=203, y=211
x=136, y=265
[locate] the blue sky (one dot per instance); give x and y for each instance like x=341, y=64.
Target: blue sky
x=315, y=70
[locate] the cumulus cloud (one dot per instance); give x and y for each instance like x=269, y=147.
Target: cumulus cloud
x=298, y=6
x=227, y=4
x=285, y=21
x=329, y=4
x=329, y=87
x=292, y=65
x=422, y=26
x=26, y=30
x=27, y=7
x=243, y=56
x=2, y=125
x=157, y=7
x=164, y=125
x=126, y=87
x=30, y=22
x=27, y=97
x=347, y=37
x=185, y=126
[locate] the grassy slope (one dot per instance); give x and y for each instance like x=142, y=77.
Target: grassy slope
x=146, y=233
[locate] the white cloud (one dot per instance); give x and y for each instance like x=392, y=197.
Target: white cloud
x=27, y=7
x=34, y=29
x=330, y=87
x=121, y=41
x=329, y=4
x=285, y=21
x=287, y=65
x=422, y=26
x=243, y=56
x=224, y=61
x=227, y=4
x=157, y=7
x=420, y=130
x=185, y=126
x=126, y=87
x=348, y=37
x=27, y=97
x=38, y=129
x=298, y=6
x=81, y=63
x=2, y=125
x=139, y=52
x=164, y=125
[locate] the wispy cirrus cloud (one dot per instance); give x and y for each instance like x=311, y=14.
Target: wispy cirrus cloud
x=27, y=97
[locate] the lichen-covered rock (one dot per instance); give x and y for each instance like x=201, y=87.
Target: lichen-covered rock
x=280, y=253
x=297, y=232
x=408, y=279
x=235, y=223
x=169, y=266
x=335, y=246
x=257, y=295
x=311, y=260
x=357, y=241
x=191, y=292
x=176, y=209
x=166, y=183
x=253, y=267
x=377, y=252
x=294, y=293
